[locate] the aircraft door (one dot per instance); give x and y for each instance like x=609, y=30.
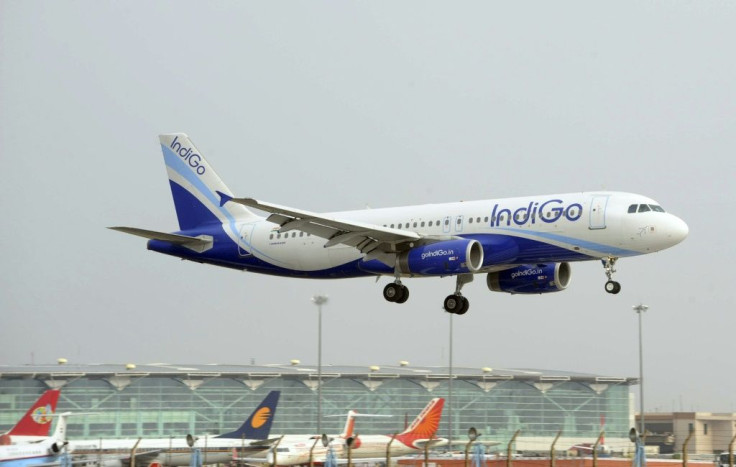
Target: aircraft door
x=244, y=240
x=598, y=206
x=459, y=220
x=446, y=224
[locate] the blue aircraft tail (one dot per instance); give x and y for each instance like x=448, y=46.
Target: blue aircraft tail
x=195, y=185
x=258, y=425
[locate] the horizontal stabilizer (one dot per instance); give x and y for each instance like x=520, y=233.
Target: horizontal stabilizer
x=199, y=244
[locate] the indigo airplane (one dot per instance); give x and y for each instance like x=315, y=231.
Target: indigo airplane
x=523, y=245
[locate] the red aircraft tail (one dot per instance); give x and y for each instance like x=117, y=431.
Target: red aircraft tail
x=36, y=421
x=425, y=425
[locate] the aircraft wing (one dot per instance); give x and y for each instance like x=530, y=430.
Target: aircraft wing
x=422, y=443
x=373, y=240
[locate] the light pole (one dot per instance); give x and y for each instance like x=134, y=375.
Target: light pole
x=449, y=396
x=640, y=309
x=319, y=300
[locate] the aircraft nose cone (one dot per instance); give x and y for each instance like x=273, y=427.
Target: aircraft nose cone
x=677, y=230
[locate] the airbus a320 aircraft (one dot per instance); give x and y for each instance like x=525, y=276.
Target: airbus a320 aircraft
x=523, y=245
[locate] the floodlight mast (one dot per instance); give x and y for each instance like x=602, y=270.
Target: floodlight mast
x=319, y=300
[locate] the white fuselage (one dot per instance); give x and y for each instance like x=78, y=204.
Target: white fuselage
x=589, y=225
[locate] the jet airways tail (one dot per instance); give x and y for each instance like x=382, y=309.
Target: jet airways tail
x=37, y=421
x=425, y=426
x=195, y=185
x=258, y=425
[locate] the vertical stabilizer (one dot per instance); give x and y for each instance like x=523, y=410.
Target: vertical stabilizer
x=194, y=185
x=258, y=425
x=349, y=425
x=425, y=425
x=37, y=421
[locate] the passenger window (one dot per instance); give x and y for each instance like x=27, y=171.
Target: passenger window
x=301, y=234
x=399, y=225
x=415, y=224
x=643, y=208
x=459, y=221
x=278, y=235
x=422, y=223
x=392, y=226
x=293, y=235
x=632, y=208
x=270, y=236
x=447, y=221
x=477, y=219
x=470, y=220
x=430, y=223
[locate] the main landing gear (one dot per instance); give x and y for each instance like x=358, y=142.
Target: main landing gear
x=396, y=292
x=456, y=303
x=611, y=286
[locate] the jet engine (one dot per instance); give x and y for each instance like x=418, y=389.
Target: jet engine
x=531, y=279
x=443, y=258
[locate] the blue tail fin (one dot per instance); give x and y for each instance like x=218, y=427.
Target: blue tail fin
x=258, y=425
x=195, y=185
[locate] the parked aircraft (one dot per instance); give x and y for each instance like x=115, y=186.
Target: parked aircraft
x=36, y=423
x=252, y=436
x=420, y=433
x=39, y=453
x=523, y=245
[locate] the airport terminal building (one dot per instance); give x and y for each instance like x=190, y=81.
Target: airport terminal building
x=162, y=400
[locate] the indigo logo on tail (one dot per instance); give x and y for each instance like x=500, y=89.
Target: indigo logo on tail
x=191, y=157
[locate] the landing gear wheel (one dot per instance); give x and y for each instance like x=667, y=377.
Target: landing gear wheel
x=396, y=293
x=392, y=292
x=464, y=308
x=613, y=287
x=404, y=294
x=454, y=303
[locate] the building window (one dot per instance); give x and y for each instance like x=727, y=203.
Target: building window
x=705, y=428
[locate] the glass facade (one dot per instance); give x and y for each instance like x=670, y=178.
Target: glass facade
x=162, y=405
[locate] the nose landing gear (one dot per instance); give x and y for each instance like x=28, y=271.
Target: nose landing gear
x=611, y=285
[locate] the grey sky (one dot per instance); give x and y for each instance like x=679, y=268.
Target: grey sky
x=331, y=106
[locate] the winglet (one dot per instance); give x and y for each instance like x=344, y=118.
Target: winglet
x=224, y=198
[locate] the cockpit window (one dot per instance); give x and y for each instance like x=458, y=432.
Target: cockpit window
x=645, y=208
x=656, y=208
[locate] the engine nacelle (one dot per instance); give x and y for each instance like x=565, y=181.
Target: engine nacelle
x=531, y=279
x=443, y=258
x=54, y=448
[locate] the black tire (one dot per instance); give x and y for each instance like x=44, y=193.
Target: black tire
x=465, y=306
x=453, y=303
x=612, y=287
x=392, y=292
x=404, y=294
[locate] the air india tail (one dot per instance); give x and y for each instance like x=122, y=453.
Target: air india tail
x=425, y=426
x=36, y=422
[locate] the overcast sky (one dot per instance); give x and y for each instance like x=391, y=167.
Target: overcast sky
x=340, y=105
